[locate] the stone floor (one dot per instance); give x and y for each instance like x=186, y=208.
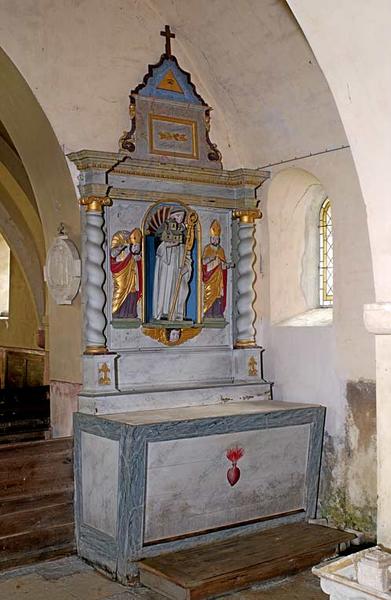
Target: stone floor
x=71, y=579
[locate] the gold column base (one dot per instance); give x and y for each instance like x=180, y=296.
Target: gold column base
x=96, y=350
x=245, y=344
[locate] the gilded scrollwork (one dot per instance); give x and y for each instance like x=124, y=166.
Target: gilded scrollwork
x=171, y=337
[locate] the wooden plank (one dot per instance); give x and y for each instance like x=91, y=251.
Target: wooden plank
x=51, y=537
x=245, y=579
x=47, y=480
x=21, y=436
x=239, y=562
x=35, y=448
x=36, y=518
x=29, y=461
x=59, y=466
x=165, y=587
x=38, y=501
x=36, y=555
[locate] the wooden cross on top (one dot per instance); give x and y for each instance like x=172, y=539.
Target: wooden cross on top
x=168, y=35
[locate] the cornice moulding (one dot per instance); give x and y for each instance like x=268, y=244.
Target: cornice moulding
x=122, y=164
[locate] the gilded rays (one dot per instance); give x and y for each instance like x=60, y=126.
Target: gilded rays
x=169, y=83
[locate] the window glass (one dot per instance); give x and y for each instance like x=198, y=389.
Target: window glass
x=326, y=255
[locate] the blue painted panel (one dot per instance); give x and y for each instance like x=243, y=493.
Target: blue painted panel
x=151, y=89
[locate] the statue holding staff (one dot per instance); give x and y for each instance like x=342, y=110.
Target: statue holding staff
x=173, y=268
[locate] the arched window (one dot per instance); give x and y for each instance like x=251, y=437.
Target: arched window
x=325, y=255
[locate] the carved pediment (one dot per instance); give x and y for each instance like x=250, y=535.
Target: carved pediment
x=170, y=121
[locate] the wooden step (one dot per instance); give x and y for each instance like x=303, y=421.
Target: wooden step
x=35, y=449
x=36, y=518
x=207, y=571
x=10, y=506
x=33, y=546
x=36, y=501
x=24, y=436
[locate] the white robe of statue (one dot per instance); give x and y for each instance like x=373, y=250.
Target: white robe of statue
x=168, y=265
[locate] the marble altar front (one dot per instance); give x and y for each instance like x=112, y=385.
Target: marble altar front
x=153, y=481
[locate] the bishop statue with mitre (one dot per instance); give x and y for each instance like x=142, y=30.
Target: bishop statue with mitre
x=214, y=274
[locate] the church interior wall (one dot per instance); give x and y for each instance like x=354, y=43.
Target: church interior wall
x=68, y=85
x=19, y=330
x=361, y=86
x=37, y=150
x=332, y=363
x=81, y=78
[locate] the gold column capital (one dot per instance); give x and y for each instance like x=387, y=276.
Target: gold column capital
x=95, y=350
x=95, y=204
x=247, y=215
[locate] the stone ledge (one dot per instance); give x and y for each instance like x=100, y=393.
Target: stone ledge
x=377, y=318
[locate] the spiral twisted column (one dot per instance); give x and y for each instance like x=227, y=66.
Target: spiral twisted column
x=95, y=320
x=245, y=330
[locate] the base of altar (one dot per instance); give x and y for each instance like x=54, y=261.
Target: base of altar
x=154, y=481
x=158, y=398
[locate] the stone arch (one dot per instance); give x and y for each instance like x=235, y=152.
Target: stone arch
x=39, y=151
x=49, y=178
x=22, y=245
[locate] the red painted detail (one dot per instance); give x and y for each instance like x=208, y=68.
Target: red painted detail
x=234, y=454
x=233, y=473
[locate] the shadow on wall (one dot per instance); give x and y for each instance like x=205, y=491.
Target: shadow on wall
x=295, y=199
x=348, y=489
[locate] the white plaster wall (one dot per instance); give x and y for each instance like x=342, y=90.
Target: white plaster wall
x=252, y=63
x=81, y=58
x=357, y=69
x=358, y=73
x=313, y=363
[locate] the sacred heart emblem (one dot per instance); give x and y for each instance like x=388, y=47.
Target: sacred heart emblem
x=233, y=473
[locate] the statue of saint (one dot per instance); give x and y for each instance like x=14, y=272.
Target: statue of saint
x=173, y=269
x=214, y=274
x=126, y=269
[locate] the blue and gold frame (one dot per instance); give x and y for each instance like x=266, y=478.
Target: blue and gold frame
x=171, y=333
x=172, y=136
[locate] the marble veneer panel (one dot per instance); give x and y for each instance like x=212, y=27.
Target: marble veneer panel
x=188, y=490
x=99, y=482
x=172, y=486
x=174, y=367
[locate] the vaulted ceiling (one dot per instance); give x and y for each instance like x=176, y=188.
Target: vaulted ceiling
x=248, y=59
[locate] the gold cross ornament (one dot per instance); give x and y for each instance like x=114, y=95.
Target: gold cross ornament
x=252, y=366
x=104, y=371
